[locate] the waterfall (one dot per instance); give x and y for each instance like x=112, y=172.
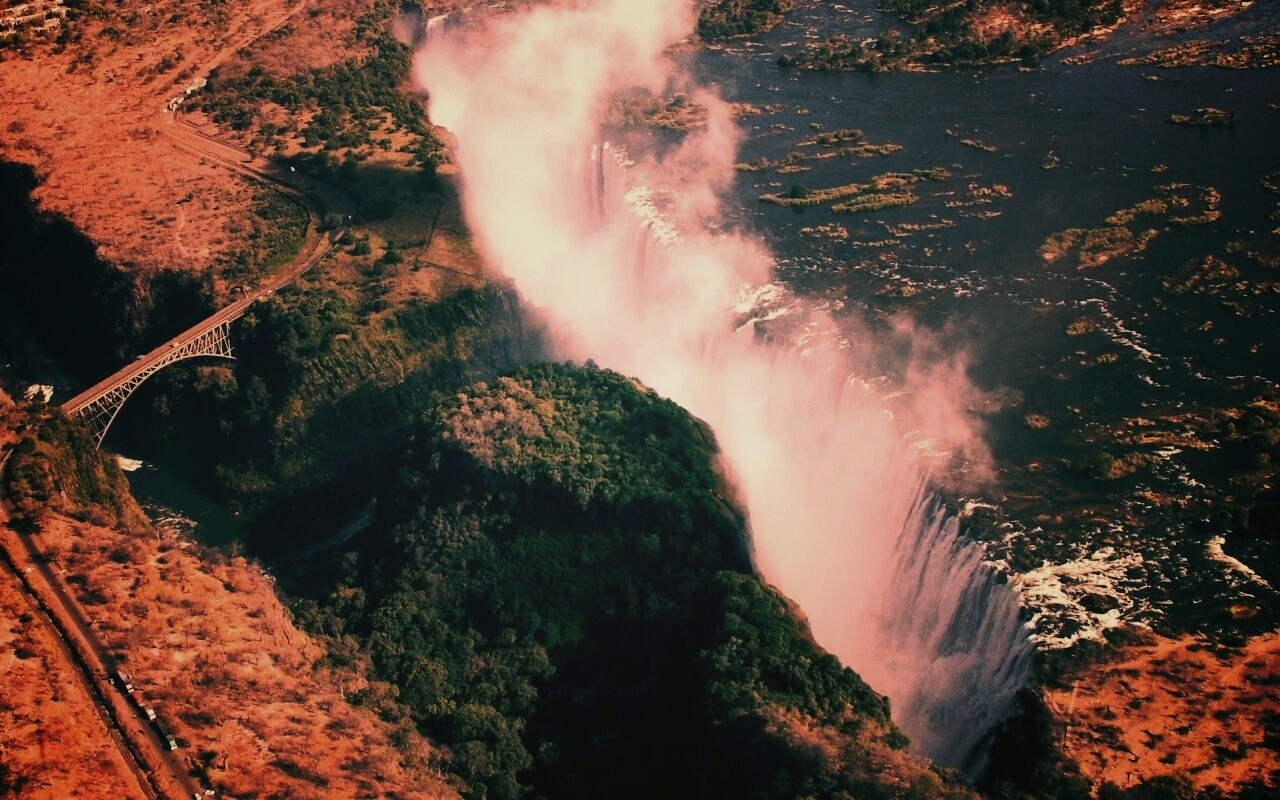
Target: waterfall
x=620, y=262
x=841, y=515
x=956, y=648
x=434, y=26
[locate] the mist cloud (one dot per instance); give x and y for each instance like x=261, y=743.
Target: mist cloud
x=826, y=462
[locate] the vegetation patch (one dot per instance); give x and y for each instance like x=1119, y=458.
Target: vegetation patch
x=560, y=589
x=874, y=201
x=1259, y=51
x=978, y=145
x=1181, y=55
x=1207, y=117
x=1095, y=246
x=272, y=236
x=320, y=386
x=1179, y=204
x=352, y=106
x=731, y=19
x=1107, y=467
x=946, y=33
x=1152, y=207
x=1206, y=274
x=854, y=147
x=1251, y=51
x=647, y=110
x=877, y=190
x=56, y=467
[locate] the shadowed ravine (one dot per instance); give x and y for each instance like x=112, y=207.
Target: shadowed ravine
x=841, y=517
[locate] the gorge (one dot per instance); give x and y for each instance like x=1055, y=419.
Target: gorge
x=749, y=399
x=843, y=519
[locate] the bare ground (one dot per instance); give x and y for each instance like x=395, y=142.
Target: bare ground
x=88, y=115
x=52, y=739
x=206, y=639
x=54, y=744
x=1176, y=705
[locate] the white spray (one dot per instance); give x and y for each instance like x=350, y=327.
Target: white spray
x=840, y=516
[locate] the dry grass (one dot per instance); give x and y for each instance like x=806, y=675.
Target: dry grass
x=207, y=640
x=1176, y=705
x=318, y=37
x=89, y=118
x=51, y=737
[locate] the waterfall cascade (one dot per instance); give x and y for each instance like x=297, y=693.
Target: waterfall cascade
x=841, y=515
x=842, y=518
x=955, y=646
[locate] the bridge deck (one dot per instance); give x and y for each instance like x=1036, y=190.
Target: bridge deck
x=97, y=402
x=145, y=364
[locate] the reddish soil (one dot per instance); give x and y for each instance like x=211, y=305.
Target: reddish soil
x=203, y=635
x=246, y=693
x=318, y=37
x=54, y=742
x=88, y=115
x=1176, y=705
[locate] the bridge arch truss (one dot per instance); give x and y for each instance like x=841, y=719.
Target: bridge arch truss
x=98, y=406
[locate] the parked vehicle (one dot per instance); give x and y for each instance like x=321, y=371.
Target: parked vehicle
x=166, y=735
x=140, y=703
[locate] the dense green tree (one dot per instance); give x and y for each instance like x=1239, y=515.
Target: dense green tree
x=56, y=466
x=563, y=598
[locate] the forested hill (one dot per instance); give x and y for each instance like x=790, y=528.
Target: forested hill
x=561, y=594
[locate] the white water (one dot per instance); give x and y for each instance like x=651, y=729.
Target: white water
x=840, y=515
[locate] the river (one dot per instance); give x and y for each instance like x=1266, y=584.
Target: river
x=1095, y=354
x=1057, y=147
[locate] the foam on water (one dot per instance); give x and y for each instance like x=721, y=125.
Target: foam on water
x=841, y=515
x=629, y=266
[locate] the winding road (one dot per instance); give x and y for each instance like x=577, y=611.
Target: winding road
x=159, y=772
x=320, y=200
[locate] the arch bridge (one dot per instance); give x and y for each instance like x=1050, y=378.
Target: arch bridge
x=98, y=405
